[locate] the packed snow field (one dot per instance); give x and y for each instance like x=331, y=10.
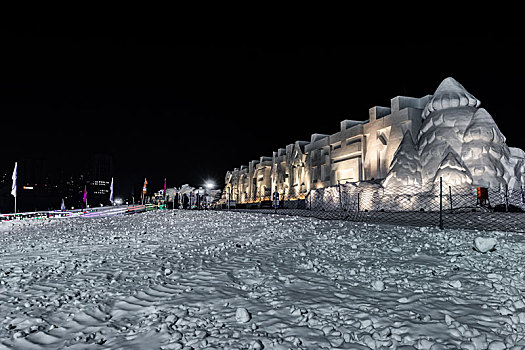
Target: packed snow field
x=203, y=279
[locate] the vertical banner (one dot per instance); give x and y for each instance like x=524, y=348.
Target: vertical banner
x=111, y=192
x=144, y=190
x=84, y=199
x=13, y=186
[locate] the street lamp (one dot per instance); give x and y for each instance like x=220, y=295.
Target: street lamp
x=209, y=186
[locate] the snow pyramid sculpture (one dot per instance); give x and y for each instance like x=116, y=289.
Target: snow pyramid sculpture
x=519, y=169
x=453, y=171
x=485, y=152
x=459, y=142
x=405, y=169
x=446, y=117
x=449, y=94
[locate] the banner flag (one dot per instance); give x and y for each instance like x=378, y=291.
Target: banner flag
x=144, y=189
x=13, y=187
x=111, y=192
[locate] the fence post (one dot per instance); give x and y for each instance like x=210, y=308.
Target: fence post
x=275, y=200
x=358, y=200
x=450, y=196
x=340, y=196
x=506, y=197
x=440, y=202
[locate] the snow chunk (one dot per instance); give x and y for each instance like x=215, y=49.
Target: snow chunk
x=455, y=284
x=242, y=315
x=484, y=244
x=378, y=285
x=497, y=345
x=480, y=341
x=176, y=336
x=256, y=344
x=403, y=300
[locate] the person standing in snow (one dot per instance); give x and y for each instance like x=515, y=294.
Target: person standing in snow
x=185, y=201
x=176, y=201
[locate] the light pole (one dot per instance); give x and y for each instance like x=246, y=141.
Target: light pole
x=209, y=186
x=200, y=195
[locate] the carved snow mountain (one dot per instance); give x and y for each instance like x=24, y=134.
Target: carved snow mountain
x=449, y=94
x=459, y=142
x=453, y=171
x=447, y=116
x=405, y=169
x=486, y=153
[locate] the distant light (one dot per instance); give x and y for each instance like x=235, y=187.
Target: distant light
x=118, y=201
x=27, y=187
x=209, y=185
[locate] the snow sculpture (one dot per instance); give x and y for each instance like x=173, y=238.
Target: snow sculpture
x=485, y=152
x=405, y=169
x=446, y=117
x=449, y=94
x=453, y=171
x=459, y=142
x=518, y=155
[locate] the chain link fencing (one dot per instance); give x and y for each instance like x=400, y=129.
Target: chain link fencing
x=450, y=207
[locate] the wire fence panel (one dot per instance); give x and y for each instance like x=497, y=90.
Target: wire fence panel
x=437, y=204
x=375, y=204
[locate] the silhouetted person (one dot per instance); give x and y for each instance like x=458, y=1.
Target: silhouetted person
x=176, y=202
x=185, y=201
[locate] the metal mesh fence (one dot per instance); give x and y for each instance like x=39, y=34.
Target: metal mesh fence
x=433, y=205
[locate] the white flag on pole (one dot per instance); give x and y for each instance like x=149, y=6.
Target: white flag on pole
x=13, y=187
x=111, y=192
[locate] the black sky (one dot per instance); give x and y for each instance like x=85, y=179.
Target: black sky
x=191, y=104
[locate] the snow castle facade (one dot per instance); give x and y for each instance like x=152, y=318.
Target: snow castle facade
x=411, y=143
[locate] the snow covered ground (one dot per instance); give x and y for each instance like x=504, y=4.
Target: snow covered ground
x=198, y=279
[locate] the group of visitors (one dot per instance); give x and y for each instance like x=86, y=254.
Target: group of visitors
x=183, y=201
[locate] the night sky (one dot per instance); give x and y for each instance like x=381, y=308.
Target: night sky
x=188, y=105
